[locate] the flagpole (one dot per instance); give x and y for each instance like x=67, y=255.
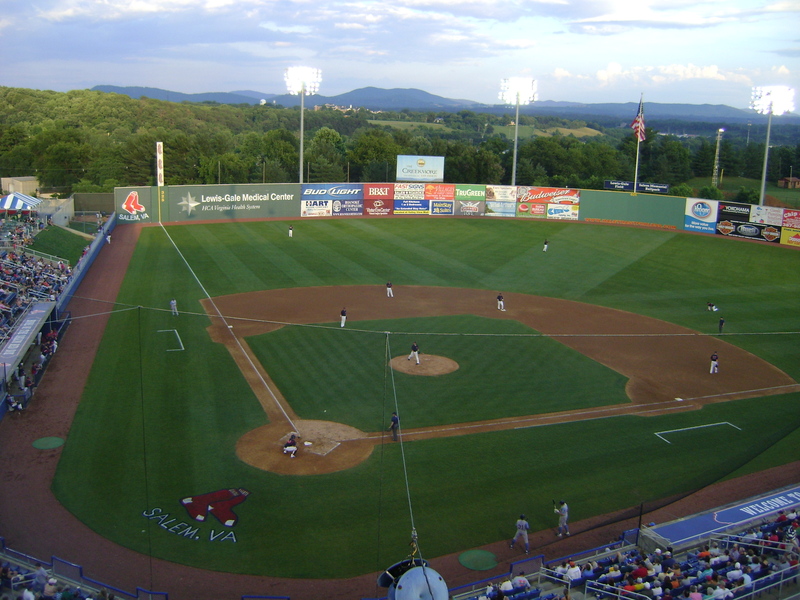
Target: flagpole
x=636, y=169
x=638, y=127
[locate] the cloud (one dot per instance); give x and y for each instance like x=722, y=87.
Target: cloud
x=614, y=73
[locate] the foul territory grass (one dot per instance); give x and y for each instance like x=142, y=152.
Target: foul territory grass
x=156, y=425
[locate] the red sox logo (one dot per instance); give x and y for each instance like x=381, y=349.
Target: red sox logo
x=219, y=503
x=132, y=204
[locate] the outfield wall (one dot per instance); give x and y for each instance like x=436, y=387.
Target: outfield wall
x=198, y=203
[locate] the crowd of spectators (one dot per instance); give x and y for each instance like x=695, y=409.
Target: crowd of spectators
x=714, y=571
x=18, y=583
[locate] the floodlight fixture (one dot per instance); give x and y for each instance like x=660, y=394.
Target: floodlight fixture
x=770, y=100
x=715, y=175
x=305, y=82
x=516, y=91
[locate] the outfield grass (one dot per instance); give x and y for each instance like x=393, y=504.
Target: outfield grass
x=155, y=426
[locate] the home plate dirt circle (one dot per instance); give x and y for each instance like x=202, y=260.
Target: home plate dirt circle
x=429, y=364
x=334, y=447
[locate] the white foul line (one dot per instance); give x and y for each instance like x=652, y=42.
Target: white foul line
x=658, y=434
x=180, y=342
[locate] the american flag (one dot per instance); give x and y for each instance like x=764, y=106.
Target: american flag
x=638, y=122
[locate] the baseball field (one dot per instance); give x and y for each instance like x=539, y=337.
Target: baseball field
x=593, y=385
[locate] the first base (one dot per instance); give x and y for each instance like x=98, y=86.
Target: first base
x=306, y=443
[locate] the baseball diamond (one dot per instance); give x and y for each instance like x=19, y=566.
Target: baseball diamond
x=173, y=477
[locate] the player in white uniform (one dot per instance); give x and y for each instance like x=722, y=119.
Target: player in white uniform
x=389, y=291
x=344, y=316
x=173, y=306
x=501, y=304
x=522, y=532
x=414, y=352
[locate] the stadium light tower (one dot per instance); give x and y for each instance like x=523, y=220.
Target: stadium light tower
x=770, y=100
x=715, y=176
x=304, y=81
x=516, y=91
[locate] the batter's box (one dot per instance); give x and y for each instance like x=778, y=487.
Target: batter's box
x=660, y=434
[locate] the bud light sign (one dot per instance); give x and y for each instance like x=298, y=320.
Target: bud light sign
x=335, y=191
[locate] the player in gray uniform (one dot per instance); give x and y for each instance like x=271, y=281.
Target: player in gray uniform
x=714, y=363
x=173, y=306
x=522, y=532
x=563, y=516
x=344, y=316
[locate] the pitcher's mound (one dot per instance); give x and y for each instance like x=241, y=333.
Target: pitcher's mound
x=429, y=364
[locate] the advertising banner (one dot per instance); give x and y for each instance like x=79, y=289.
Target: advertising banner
x=412, y=207
x=440, y=191
x=500, y=209
x=766, y=215
x=751, y=231
x=420, y=168
x=562, y=211
x=234, y=201
x=409, y=191
x=470, y=209
x=790, y=236
x=701, y=215
x=733, y=211
x=532, y=209
x=442, y=207
x=347, y=208
x=620, y=186
x=377, y=207
x=471, y=192
x=791, y=218
x=333, y=191
x=383, y=191
x=316, y=208
x=501, y=193
x=548, y=195
x=652, y=188
x=133, y=205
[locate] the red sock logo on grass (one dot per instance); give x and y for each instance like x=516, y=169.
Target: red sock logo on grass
x=219, y=504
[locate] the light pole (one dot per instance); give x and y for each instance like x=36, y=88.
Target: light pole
x=769, y=100
x=517, y=90
x=304, y=81
x=715, y=176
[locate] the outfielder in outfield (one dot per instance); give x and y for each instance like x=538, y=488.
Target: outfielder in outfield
x=563, y=516
x=522, y=532
x=344, y=316
x=173, y=307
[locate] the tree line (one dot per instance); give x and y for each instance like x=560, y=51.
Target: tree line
x=85, y=141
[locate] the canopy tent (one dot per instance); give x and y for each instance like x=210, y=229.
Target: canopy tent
x=17, y=201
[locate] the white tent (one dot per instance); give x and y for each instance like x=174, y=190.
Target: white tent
x=17, y=201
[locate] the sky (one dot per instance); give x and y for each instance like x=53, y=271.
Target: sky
x=672, y=51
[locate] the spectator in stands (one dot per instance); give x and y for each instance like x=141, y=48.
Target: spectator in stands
x=714, y=549
x=505, y=588
x=721, y=592
x=27, y=593
x=562, y=569
x=40, y=578
x=781, y=517
x=520, y=582
x=574, y=572
x=640, y=570
x=694, y=594
x=667, y=561
x=735, y=574
x=792, y=514
x=50, y=589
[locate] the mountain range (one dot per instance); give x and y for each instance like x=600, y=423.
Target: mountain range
x=378, y=99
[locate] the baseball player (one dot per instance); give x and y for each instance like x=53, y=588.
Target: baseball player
x=544, y=248
x=394, y=426
x=714, y=363
x=389, y=292
x=173, y=306
x=721, y=324
x=291, y=231
x=501, y=305
x=290, y=447
x=414, y=352
x=522, y=532
x=344, y=316
x=563, y=515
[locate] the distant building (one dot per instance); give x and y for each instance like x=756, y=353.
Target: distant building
x=790, y=183
x=22, y=185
